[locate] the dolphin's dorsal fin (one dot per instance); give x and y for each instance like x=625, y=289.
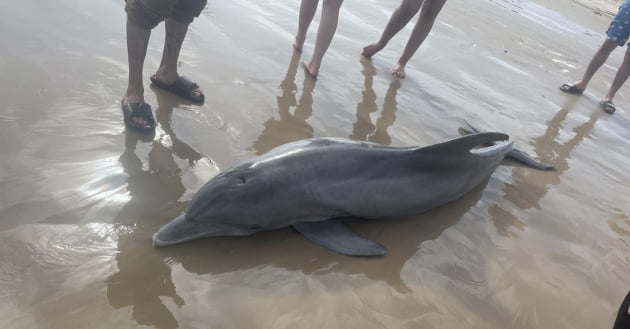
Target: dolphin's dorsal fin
x=336, y=236
x=465, y=143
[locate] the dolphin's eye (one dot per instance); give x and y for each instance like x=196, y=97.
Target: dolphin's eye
x=243, y=180
x=255, y=227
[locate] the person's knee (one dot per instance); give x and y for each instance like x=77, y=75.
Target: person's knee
x=608, y=46
x=431, y=9
x=332, y=4
x=186, y=10
x=142, y=16
x=408, y=8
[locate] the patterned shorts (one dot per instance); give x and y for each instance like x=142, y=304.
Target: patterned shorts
x=619, y=29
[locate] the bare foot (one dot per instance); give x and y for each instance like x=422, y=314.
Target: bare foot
x=371, y=49
x=399, y=71
x=298, y=43
x=311, y=69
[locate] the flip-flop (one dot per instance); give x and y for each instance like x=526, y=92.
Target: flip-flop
x=141, y=110
x=608, y=106
x=571, y=89
x=182, y=87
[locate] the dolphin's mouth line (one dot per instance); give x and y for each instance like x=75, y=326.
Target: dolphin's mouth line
x=491, y=150
x=157, y=242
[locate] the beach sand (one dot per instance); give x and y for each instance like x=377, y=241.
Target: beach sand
x=80, y=197
x=608, y=7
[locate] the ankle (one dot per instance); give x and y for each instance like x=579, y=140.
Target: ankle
x=581, y=84
x=167, y=74
x=134, y=96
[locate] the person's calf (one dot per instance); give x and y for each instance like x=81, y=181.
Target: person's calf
x=298, y=42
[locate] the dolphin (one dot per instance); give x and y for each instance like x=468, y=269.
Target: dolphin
x=312, y=184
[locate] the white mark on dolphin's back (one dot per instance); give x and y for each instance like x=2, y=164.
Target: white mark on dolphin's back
x=275, y=157
x=286, y=150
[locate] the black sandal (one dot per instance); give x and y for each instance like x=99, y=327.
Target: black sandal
x=182, y=87
x=623, y=316
x=608, y=106
x=571, y=89
x=138, y=110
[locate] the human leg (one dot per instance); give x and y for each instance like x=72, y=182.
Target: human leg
x=307, y=12
x=138, y=28
x=428, y=14
x=167, y=72
x=620, y=78
x=137, y=43
x=617, y=35
x=182, y=14
x=596, y=62
x=325, y=33
x=400, y=17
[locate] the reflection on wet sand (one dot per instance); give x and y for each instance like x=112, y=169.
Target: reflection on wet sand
x=143, y=277
x=549, y=148
x=363, y=128
x=290, y=126
x=504, y=221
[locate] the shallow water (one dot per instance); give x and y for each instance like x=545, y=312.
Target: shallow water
x=80, y=197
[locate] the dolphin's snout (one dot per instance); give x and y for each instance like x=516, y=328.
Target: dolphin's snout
x=178, y=231
x=157, y=242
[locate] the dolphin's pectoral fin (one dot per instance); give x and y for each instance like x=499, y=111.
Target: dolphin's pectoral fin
x=336, y=236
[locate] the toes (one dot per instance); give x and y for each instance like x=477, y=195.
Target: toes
x=139, y=120
x=398, y=74
x=399, y=71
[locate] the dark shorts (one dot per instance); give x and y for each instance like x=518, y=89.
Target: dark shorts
x=619, y=29
x=149, y=13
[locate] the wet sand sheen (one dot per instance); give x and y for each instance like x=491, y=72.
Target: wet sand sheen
x=80, y=197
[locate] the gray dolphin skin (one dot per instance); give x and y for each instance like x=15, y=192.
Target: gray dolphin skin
x=312, y=184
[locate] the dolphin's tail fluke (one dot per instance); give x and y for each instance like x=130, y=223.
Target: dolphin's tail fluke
x=514, y=154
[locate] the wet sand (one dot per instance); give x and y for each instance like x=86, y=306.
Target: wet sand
x=80, y=197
